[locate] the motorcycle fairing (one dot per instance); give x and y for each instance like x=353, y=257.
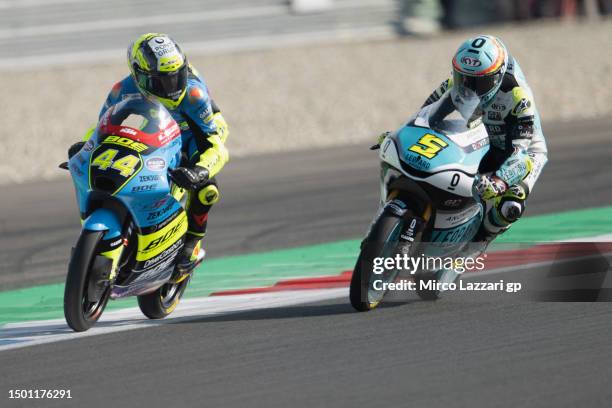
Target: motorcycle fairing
x=444, y=165
x=145, y=192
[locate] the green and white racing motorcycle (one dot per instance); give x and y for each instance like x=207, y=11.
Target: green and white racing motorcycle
x=428, y=207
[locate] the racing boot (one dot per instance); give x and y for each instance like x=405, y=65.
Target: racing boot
x=192, y=255
x=505, y=210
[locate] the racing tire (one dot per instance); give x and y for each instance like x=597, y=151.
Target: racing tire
x=80, y=313
x=384, y=232
x=162, y=301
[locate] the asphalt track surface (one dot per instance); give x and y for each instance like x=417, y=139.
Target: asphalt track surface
x=455, y=352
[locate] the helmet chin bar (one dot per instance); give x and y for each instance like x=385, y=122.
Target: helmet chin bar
x=171, y=103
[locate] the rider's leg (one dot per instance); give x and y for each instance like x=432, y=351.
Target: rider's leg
x=501, y=212
x=199, y=204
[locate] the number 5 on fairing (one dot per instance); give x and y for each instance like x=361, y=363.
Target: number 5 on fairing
x=429, y=146
x=428, y=206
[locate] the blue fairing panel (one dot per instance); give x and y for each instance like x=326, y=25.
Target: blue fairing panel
x=442, y=154
x=103, y=219
x=146, y=194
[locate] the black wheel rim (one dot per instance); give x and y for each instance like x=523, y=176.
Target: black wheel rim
x=169, y=292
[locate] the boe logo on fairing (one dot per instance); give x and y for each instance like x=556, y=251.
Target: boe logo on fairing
x=156, y=242
x=125, y=141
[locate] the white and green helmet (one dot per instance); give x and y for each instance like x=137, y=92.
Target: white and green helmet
x=159, y=68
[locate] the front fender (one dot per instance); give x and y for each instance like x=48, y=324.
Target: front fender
x=104, y=219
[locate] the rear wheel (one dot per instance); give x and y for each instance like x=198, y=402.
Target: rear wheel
x=382, y=241
x=161, y=302
x=82, y=312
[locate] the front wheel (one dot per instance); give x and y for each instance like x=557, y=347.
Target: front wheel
x=80, y=310
x=382, y=241
x=161, y=302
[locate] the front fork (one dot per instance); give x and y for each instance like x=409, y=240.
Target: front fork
x=414, y=224
x=413, y=229
x=115, y=256
x=112, y=245
x=117, y=251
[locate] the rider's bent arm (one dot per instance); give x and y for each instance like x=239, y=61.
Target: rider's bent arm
x=222, y=129
x=215, y=157
x=524, y=142
x=213, y=153
x=210, y=130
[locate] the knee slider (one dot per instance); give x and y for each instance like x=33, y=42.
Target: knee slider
x=209, y=194
x=511, y=205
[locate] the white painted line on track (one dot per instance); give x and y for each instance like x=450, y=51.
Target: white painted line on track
x=19, y=335
x=222, y=46
x=14, y=4
x=119, y=23
x=597, y=238
x=165, y=19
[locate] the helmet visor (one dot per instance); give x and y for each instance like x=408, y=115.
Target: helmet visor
x=168, y=85
x=480, y=85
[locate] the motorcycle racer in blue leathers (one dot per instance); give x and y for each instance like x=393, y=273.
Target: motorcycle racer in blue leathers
x=484, y=73
x=159, y=69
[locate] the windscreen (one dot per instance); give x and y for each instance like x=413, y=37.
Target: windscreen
x=452, y=113
x=138, y=113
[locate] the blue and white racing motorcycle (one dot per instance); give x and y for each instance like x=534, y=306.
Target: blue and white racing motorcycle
x=133, y=220
x=428, y=207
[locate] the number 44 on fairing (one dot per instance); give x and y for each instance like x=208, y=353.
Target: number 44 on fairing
x=133, y=227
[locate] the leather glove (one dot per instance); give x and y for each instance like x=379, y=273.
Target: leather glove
x=189, y=178
x=489, y=187
x=382, y=137
x=75, y=148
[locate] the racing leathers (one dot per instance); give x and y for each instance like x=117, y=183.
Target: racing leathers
x=517, y=151
x=203, y=133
